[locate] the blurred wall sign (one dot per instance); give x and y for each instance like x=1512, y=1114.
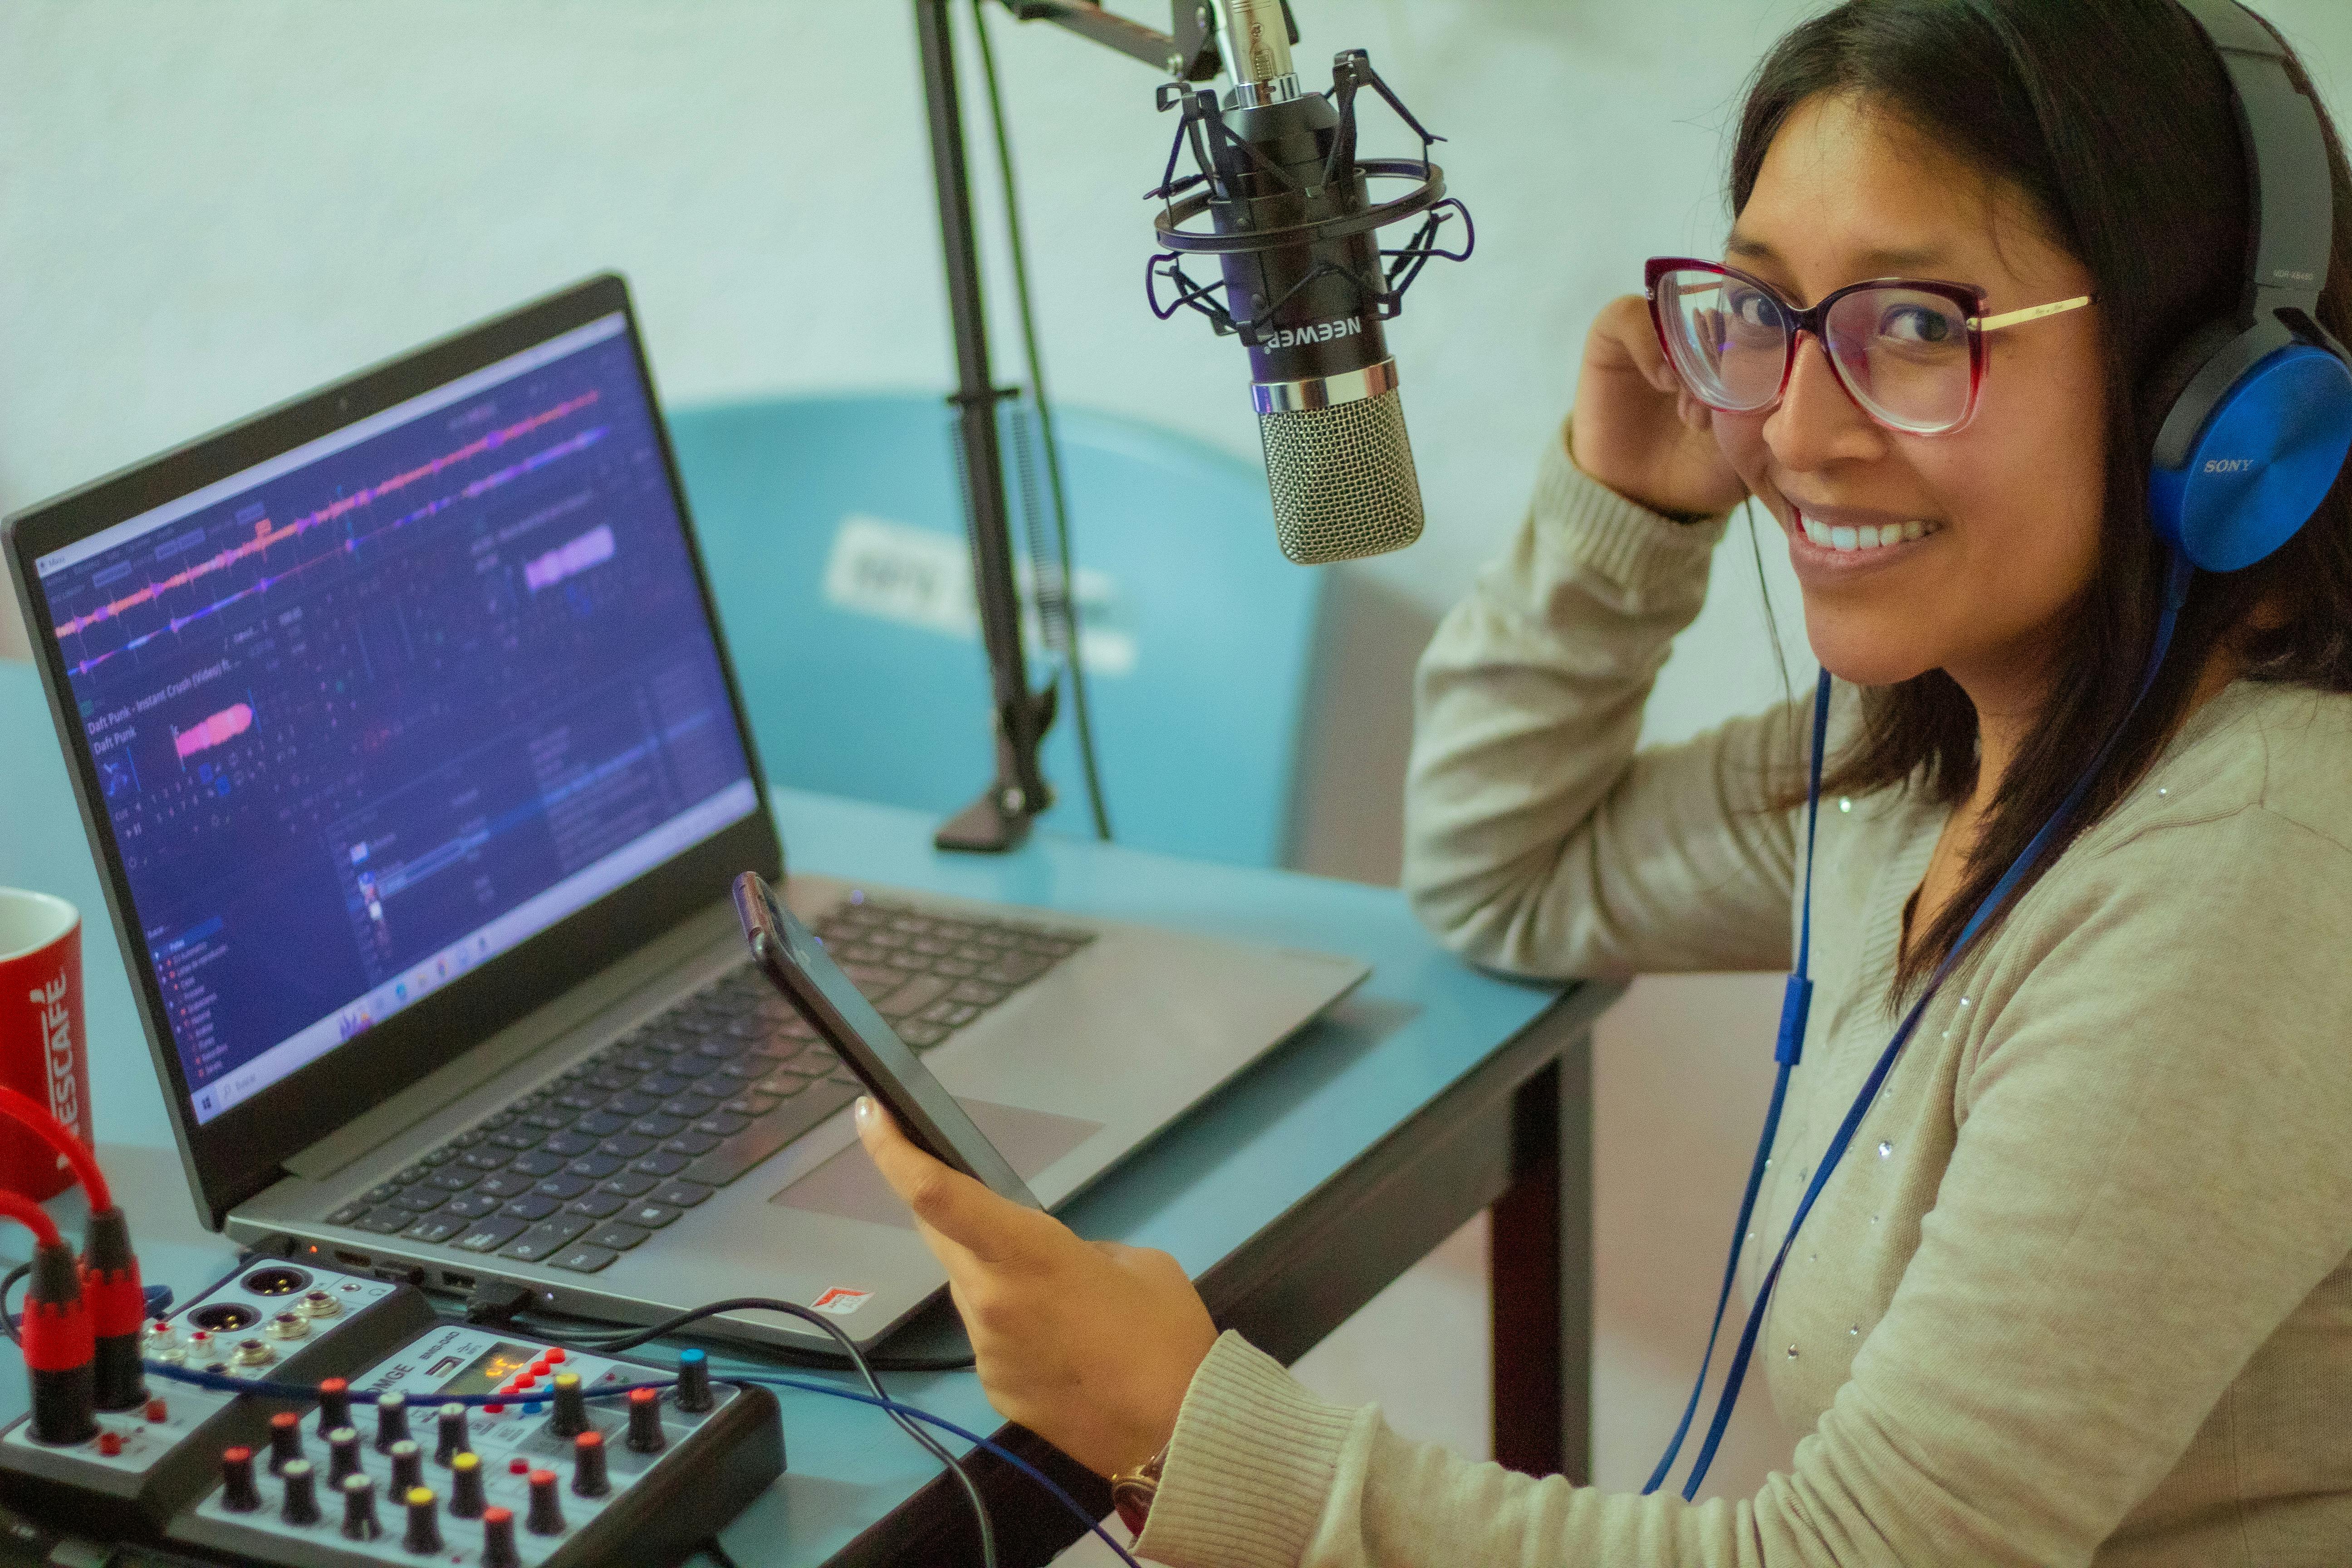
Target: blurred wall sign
x=921, y=577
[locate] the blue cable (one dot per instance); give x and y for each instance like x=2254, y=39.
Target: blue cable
x=1796, y=1004
x=2179, y=574
x=1047, y=1482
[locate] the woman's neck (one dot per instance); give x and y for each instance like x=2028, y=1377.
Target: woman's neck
x=2007, y=711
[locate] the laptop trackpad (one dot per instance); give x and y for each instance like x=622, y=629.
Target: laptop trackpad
x=848, y=1186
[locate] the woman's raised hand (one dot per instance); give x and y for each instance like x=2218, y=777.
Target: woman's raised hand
x=1637, y=430
x=1090, y=1345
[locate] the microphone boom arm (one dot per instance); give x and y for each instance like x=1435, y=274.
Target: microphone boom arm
x=1000, y=819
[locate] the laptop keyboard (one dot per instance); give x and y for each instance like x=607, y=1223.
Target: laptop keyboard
x=602, y=1158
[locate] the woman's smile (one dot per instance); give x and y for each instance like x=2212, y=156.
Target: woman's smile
x=1832, y=543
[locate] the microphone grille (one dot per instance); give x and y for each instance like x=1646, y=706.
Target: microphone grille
x=1342, y=479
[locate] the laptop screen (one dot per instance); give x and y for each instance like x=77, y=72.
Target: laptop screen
x=370, y=712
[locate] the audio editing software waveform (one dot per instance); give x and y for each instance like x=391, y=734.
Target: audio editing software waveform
x=267, y=534
x=348, y=756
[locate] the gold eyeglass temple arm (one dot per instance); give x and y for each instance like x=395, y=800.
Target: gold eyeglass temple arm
x=2032, y=313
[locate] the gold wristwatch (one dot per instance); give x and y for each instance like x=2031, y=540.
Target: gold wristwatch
x=1131, y=1491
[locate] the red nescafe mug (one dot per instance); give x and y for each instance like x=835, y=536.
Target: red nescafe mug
x=42, y=1051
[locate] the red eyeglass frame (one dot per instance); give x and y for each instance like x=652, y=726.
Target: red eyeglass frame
x=1968, y=297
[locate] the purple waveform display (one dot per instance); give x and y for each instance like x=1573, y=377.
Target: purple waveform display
x=593, y=548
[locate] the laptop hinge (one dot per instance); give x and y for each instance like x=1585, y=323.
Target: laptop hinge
x=527, y=1036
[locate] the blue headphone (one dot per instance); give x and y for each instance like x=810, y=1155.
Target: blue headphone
x=2257, y=421
x=2261, y=414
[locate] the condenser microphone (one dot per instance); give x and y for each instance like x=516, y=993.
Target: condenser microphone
x=1306, y=286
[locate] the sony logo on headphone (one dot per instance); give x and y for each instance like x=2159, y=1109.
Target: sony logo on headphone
x=2228, y=465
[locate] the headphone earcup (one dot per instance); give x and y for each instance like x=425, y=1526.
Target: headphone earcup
x=2267, y=449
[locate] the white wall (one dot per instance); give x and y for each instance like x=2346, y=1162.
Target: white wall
x=207, y=205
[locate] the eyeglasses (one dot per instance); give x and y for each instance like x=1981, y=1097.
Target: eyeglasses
x=1910, y=353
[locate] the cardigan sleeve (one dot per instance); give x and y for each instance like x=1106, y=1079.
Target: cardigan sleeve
x=1537, y=838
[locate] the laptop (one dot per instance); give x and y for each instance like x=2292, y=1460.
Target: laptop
x=410, y=753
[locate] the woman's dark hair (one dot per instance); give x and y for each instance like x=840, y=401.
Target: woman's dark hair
x=2112, y=120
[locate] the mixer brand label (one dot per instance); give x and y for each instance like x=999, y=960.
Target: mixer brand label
x=841, y=1300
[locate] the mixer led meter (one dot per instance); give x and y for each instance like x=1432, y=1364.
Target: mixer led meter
x=420, y=1440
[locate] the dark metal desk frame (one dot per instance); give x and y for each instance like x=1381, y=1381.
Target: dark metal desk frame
x=1514, y=1137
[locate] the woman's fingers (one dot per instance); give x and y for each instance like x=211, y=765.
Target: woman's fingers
x=947, y=1203
x=1637, y=427
x=1091, y=1346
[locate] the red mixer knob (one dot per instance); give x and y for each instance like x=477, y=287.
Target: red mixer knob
x=588, y=1477
x=285, y=1440
x=334, y=1404
x=498, y=1539
x=546, y=1508
x=239, y=1494
x=644, y=1421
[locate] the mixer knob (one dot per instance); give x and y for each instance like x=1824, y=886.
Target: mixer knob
x=644, y=1421
x=301, y=1505
x=455, y=1440
x=588, y=1477
x=285, y=1440
x=498, y=1540
x=694, y=1382
x=359, y=1509
x=571, y=1418
x=424, y=1521
x=546, y=1509
x=407, y=1467
x=466, y=1499
x=391, y=1421
x=342, y=1456
x=239, y=1494
x=334, y=1404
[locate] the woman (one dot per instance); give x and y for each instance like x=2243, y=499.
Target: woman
x=2081, y=1292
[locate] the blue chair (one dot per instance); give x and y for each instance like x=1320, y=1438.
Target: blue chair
x=833, y=529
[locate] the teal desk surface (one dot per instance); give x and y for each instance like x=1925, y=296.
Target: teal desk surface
x=1200, y=1191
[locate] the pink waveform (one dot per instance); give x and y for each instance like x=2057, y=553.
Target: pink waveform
x=225, y=725
x=264, y=535
x=569, y=560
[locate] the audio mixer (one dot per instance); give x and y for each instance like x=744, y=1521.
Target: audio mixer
x=416, y=1440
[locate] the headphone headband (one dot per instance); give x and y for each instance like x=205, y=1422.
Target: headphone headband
x=2292, y=200
x=2257, y=408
